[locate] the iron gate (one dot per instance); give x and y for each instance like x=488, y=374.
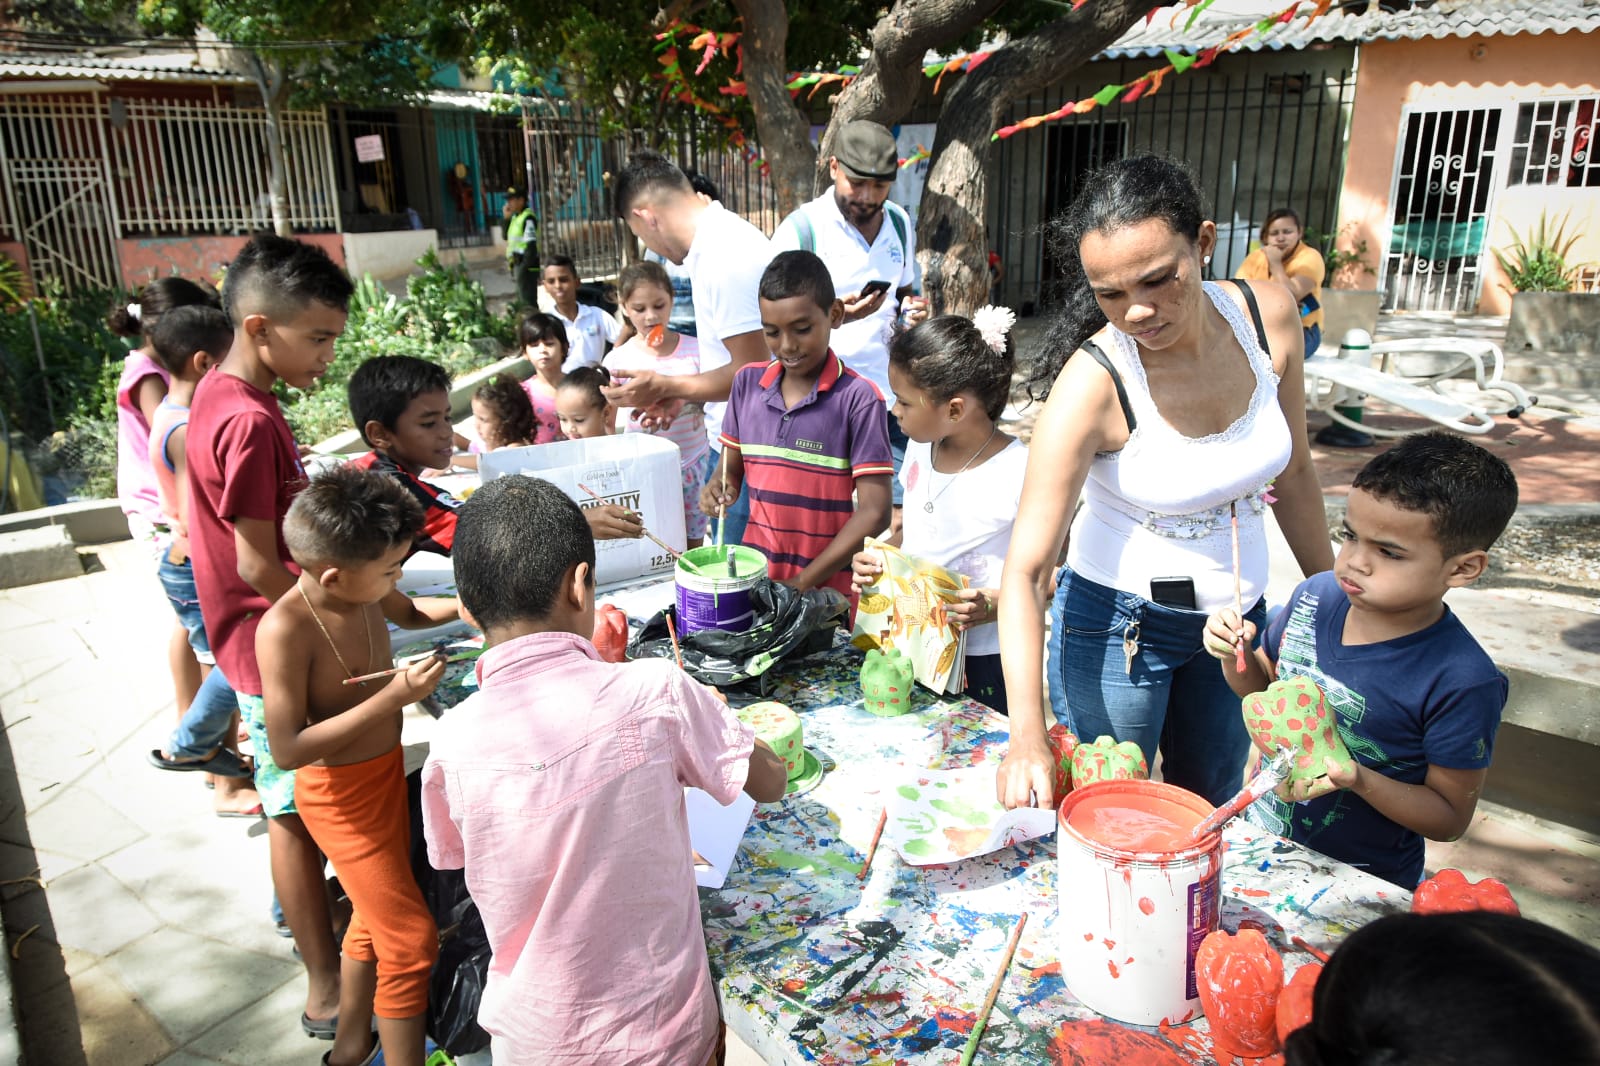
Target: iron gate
x=1443, y=192
x=53, y=165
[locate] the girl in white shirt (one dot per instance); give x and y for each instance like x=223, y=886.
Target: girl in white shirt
x=962, y=476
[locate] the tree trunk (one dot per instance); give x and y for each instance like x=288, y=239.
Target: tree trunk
x=273, y=82
x=891, y=78
x=951, y=240
x=783, y=129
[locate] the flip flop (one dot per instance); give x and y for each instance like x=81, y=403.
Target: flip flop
x=223, y=762
x=319, y=1028
x=251, y=812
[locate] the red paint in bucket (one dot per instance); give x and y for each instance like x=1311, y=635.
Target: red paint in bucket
x=1127, y=877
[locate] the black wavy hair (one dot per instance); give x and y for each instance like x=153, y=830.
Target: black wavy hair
x=1468, y=491
x=155, y=300
x=508, y=402
x=281, y=277
x=383, y=387
x=1448, y=989
x=516, y=540
x=798, y=273
x=563, y=261
x=348, y=515
x=647, y=175
x=184, y=331
x=947, y=356
x=1120, y=194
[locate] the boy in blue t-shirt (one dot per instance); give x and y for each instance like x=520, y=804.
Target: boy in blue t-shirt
x=1417, y=700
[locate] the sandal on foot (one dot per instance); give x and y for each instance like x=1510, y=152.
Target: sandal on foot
x=222, y=761
x=253, y=811
x=319, y=1028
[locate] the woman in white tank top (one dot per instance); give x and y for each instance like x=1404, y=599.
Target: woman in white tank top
x=1182, y=404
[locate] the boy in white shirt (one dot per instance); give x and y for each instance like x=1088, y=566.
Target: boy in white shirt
x=590, y=331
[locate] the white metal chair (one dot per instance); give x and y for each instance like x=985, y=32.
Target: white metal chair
x=1409, y=375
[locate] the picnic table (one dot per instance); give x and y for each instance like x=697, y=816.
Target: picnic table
x=815, y=966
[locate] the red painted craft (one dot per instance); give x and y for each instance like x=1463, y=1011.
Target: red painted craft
x=1294, y=1002
x=1239, y=978
x=611, y=633
x=1450, y=891
x=1062, y=745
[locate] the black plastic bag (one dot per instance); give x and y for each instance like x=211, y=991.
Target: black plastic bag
x=787, y=624
x=455, y=988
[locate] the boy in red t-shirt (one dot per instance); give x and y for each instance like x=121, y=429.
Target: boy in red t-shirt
x=287, y=301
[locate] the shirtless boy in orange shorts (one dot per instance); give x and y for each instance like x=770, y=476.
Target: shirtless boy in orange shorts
x=349, y=531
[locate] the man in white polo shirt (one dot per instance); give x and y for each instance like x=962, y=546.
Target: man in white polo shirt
x=725, y=256
x=863, y=238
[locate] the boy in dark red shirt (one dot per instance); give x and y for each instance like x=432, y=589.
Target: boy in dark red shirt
x=401, y=405
x=287, y=302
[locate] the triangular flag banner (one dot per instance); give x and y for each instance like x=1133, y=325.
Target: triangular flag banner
x=1179, y=61
x=1108, y=94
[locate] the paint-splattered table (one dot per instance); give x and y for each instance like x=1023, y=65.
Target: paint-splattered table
x=818, y=967
x=815, y=966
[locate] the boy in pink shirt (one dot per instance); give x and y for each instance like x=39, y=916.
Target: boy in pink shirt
x=559, y=789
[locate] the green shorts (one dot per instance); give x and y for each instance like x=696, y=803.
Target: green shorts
x=274, y=785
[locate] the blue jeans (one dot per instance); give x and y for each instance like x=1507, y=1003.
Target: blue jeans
x=897, y=448
x=1313, y=335
x=1174, y=696
x=177, y=580
x=205, y=725
x=738, y=514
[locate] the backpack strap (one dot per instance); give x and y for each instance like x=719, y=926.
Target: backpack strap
x=1255, y=313
x=808, y=237
x=1098, y=355
x=897, y=217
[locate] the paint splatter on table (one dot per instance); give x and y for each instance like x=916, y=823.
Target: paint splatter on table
x=816, y=967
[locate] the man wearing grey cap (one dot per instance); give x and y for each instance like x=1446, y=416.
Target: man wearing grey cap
x=864, y=238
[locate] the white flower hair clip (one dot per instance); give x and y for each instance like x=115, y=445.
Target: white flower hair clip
x=135, y=312
x=994, y=323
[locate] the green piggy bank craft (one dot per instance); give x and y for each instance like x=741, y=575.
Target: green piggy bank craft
x=1062, y=745
x=1106, y=760
x=886, y=678
x=1292, y=713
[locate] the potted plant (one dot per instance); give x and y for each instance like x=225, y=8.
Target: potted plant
x=1546, y=315
x=1346, y=304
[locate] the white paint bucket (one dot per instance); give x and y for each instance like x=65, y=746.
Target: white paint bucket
x=714, y=586
x=1132, y=921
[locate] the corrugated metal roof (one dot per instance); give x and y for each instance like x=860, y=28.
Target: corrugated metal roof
x=1461, y=18
x=180, y=67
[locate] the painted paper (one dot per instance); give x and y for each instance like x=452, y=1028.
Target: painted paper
x=906, y=610
x=943, y=816
x=714, y=833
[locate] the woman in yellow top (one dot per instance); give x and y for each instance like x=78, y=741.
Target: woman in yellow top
x=1283, y=257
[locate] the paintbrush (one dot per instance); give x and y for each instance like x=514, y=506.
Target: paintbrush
x=672, y=634
x=872, y=848
x=1271, y=774
x=994, y=992
x=402, y=669
x=1238, y=600
x=669, y=549
x=1310, y=949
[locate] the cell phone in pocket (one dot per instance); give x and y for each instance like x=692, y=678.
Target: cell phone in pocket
x=1173, y=592
x=872, y=288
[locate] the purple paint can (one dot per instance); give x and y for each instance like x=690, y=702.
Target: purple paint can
x=714, y=584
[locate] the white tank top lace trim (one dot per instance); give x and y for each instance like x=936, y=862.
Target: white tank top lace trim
x=1160, y=507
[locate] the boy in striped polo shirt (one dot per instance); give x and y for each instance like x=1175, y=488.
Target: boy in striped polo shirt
x=808, y=434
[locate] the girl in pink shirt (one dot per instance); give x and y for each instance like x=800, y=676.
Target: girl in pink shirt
x=647, y=302
x=544, y=342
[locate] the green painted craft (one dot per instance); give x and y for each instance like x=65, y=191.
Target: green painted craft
x=1292, y=713
x=886, y=678
x=1106, y=760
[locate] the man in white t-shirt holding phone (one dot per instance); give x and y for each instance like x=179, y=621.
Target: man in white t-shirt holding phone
x=869, y=245
x=725, y=256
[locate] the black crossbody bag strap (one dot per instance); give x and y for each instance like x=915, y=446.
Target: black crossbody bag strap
x=1098, y=355
x=1255, y=314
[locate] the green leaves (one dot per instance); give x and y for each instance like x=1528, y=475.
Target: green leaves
x=1539, y=263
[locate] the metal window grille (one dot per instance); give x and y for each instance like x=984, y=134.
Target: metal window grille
x=202, y=168
x=1554, y=143
x=1258, y=132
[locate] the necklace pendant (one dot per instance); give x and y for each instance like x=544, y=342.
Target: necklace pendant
x=928, y=507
